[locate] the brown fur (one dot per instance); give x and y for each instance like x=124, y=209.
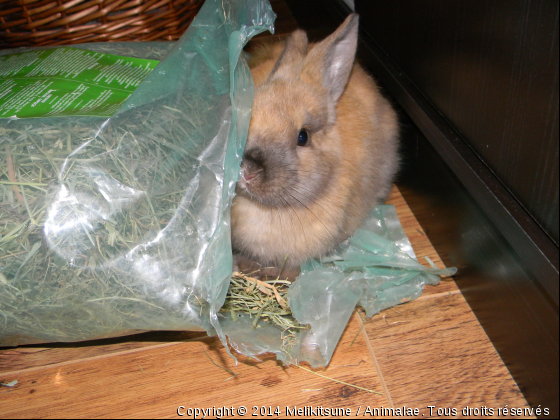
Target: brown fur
x=298, y=201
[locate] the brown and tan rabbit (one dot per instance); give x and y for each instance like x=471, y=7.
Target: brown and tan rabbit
x=321, y=152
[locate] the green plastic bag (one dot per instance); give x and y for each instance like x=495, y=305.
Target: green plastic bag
x=376, y=269
x=67, y=81
x=123, y=222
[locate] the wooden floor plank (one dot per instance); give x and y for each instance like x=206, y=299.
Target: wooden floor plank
x=26, y=357
x=154, y=382
x=420, y=242
x=433, y=352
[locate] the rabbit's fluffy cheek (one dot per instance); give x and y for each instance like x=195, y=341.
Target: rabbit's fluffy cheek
x=280, y=178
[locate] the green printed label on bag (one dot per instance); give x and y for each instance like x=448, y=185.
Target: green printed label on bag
x=68, y=81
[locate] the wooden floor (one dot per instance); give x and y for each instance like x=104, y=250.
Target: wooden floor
x=428, y=352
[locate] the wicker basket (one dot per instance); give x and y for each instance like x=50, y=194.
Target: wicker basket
x=62, y=22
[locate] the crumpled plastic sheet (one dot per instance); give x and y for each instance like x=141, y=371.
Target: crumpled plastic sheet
x=376, y=269
x=177, y=276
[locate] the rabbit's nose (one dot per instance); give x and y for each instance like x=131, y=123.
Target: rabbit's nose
x=254, y=156
x=250, y=171
x=252, y=164
x=249, y=175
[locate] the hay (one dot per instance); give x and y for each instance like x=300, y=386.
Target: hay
x=266, y=303
x=79, y=194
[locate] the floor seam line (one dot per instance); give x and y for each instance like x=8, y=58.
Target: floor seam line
x=376, y=363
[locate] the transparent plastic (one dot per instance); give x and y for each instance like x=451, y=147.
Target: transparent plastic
x=111, y=226
x=119, y=225
x=375, y=269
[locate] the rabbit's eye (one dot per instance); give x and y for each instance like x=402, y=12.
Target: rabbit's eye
x=303, y=138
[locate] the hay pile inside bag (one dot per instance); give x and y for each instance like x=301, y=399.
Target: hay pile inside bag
x=114, y=225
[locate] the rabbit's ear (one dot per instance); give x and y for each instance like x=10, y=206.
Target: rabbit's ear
x=291, y=60
x=333, y=58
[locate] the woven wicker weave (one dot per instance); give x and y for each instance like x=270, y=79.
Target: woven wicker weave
x=62, y=22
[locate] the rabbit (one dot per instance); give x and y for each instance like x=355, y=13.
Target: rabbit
x=322, y=150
